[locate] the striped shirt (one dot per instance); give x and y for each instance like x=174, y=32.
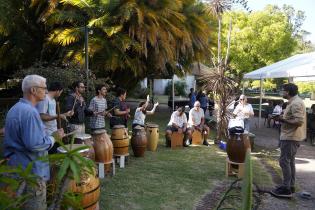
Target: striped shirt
x=97, y=105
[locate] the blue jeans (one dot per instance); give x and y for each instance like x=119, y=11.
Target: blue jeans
x=246, y=124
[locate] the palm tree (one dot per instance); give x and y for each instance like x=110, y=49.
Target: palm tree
x=139, y=37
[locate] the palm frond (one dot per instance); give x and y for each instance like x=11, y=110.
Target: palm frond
x=67, y=36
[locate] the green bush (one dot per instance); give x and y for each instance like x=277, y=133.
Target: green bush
x=179, y=86
x=65, y=74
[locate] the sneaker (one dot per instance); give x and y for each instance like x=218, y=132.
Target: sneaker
x=187, y=143
x=282, y=192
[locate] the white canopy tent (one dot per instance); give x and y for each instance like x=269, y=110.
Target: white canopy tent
x=301, y=66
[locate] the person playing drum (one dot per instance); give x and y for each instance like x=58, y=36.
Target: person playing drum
x=177, y=123
x=98, y=105
x=121, y=110
x=197, y=122
x=141, y=112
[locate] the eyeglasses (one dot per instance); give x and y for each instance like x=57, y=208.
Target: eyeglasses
x=82, y=87
x=44, y=88
x=241, y=99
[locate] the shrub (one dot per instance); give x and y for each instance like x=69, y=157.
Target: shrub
x=179, y=86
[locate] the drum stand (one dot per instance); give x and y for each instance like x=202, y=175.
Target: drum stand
x=102, y=169
x=230, y=171
x=121, y=159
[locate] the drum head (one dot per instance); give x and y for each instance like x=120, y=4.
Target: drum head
x=118, y=126
x=74, y=146
x=138, y=127
x=82, y=136
x=99, y=131
x=152, y=125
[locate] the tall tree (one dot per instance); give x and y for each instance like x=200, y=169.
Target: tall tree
x=133, y=36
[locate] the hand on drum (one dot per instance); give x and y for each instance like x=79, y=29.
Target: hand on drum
x=59, y=134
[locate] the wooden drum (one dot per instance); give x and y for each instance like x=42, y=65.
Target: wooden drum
x=103, y=148
x=237, y=146
x=120, y=140
x=152, y=131
x=89, y=185
x=84, y=138
x=138, y=141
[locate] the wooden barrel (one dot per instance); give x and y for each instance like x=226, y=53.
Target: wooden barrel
x=152, y=131
x=237, y=146
x=89, y=188
x=103, y=148
x=138, y=141
x=120, y=140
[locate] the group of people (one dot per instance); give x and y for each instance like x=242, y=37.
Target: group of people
x=32, y=128
x=32, y=125
x=179, y=123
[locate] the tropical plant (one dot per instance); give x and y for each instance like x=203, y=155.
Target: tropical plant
x=217, y=80
x=13, y=181
x=134, y=39
x=23, y=35
x=179, y=88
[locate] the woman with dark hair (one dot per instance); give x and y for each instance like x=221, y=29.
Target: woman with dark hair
x=141, y=112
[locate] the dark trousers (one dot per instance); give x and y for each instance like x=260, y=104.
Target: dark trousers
x=287, y=161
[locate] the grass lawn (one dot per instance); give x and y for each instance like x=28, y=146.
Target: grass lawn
x=169, y=179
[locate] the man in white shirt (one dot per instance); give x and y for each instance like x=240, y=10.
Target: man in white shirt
x=197, y=122
x=277, y=111
x=178, y=122
x=47, y=110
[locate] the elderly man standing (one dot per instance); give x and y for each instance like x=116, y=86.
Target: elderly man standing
x=25, y=138
x=293, y=131
x=196, y=121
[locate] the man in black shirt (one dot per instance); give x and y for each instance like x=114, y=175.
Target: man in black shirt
x=76, y=103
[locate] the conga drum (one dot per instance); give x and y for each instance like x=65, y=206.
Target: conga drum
x=152, y=131
x=103, y=148
x=84, y=138
x=138, y=141
x=120, y=140
x=237, y=146
x=89, y=185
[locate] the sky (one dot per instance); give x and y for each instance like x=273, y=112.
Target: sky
x=308, y=6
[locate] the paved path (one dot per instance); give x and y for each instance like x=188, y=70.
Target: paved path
x=305, y=170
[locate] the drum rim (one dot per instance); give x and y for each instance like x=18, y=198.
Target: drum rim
x=62, y=151
x=99, y=131
x=118, y=126
x=152, y=125
x=82, y=136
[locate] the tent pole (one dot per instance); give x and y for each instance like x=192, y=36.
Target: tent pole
x=260, y=101
x=243, y=90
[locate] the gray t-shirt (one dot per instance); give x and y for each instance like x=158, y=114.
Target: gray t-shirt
x=48, y=106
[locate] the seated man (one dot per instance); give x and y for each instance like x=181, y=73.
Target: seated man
x=178, y=122
x=197, y=122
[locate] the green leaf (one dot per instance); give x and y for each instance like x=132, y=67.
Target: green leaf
x=75, y=170
x=63, y=169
